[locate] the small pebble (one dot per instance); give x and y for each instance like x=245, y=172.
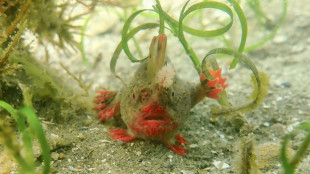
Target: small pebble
x=279, y=39
x=300, y=112
x=120, y=142
x=81, y=136
x=278, y=129
x=286, y=84
x=220, y=165
x=300, y=137
x=55, y=156
x=170, y=166
x=267, y=124
x=186, y=172
x=61, y=156
x=204, y=143
x=193, y=145
x=71, y=168
x=266, y=106
x=297, y=48
x=84, y=128
x=91, y=169
x=222, y=136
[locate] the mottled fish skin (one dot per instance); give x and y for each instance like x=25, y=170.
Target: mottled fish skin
x=145, y=96
x=156, y=103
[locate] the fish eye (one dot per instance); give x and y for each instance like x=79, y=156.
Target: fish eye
x=134, y=96
x=171, y=95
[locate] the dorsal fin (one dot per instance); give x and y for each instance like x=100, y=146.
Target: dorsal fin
x=157, y=55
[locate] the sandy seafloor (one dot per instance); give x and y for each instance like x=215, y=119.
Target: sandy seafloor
x=285, y=59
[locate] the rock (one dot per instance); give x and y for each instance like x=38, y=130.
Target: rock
x=55, y=156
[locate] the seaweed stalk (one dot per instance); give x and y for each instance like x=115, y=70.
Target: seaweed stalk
x=5, y=57
x=290, y=165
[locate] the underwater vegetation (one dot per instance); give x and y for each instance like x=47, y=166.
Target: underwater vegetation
x=290, y=164
x=30, y=89
x=20, y=71
x=28, y=133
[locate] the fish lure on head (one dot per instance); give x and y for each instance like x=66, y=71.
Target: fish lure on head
x=156, y=103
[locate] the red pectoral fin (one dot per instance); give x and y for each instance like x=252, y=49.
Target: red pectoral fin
x=180, y=140
x=108, y=112
x=177, y=149
x=214, y=87
x=121, y=134
x=107, y=106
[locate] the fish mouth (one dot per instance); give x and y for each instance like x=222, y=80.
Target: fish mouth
x=152, y=117
x=155, y=121
x=153, y=124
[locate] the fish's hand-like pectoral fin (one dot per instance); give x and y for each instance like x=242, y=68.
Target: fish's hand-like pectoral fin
x=108, y=104
x=121, y=135
x=176, y=147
